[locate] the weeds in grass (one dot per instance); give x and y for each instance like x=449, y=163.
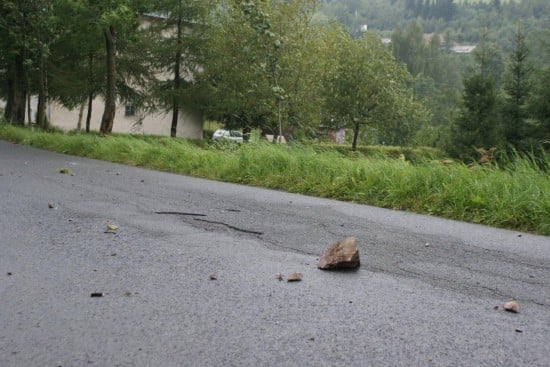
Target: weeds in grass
x=514, y=194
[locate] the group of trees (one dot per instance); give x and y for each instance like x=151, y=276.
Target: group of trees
x=276, y=65
x=70, y=51
x=484, y=99
x=492, y=97
x=439, y=9
x=508, y=109
x=247, y=63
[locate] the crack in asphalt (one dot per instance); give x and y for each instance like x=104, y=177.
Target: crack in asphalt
x=230, y=226
x=182, y=213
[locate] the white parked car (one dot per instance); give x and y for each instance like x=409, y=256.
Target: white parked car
x=232, y=135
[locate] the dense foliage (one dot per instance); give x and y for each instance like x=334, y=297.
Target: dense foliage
x=286, y=68
x=483, y=99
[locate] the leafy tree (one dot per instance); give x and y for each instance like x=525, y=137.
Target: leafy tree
x=368, y=88
x=255, y=69
x=298, y=64
x=232, y=76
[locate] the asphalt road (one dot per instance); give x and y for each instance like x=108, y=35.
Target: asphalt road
x=429, y=291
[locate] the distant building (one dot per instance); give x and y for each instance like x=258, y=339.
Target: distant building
x=428, y=37
x=463, y=49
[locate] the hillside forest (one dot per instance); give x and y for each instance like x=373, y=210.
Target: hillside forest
x=391, y=72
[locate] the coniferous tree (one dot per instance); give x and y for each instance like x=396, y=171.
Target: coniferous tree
x=118, y=22
x=178, y=40
x=14, y=58
x=477, y=123
x=539, y=108
x=76, y=65
x=517, y=87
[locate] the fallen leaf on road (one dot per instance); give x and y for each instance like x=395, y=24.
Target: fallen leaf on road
x=112, y=227
x=66, y=171
x=279, y=276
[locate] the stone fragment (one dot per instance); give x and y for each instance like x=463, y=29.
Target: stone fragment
x=294, y=277
x=213, y=276
x=512, y=306
x=341, y=255
x=279, y=276
x=51, y=206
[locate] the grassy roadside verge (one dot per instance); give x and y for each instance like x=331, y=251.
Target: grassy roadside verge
x=517, y=197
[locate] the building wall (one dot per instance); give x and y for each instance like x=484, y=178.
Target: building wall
x=190, y=124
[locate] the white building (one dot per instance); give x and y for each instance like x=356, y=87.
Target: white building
x=127, y=120
x=190, y=124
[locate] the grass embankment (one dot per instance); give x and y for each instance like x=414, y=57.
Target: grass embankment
x=517, y=197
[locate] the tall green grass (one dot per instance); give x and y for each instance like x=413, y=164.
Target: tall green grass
x=515, y=197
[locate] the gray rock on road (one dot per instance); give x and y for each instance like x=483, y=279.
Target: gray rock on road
x=344, y=254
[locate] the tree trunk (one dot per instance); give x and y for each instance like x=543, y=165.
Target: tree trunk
x=80, y=115
x=89, y=113
x=177, y=81
x=41, y=120
x=175, y=101
x=29, y=109
x=15, y=104
x=91, y=83
x=174, y=127
x=110, y=93
x=355, y=136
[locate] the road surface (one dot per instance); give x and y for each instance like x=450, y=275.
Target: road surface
x=429, y=292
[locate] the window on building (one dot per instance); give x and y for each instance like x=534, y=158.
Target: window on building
x=129, y=110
